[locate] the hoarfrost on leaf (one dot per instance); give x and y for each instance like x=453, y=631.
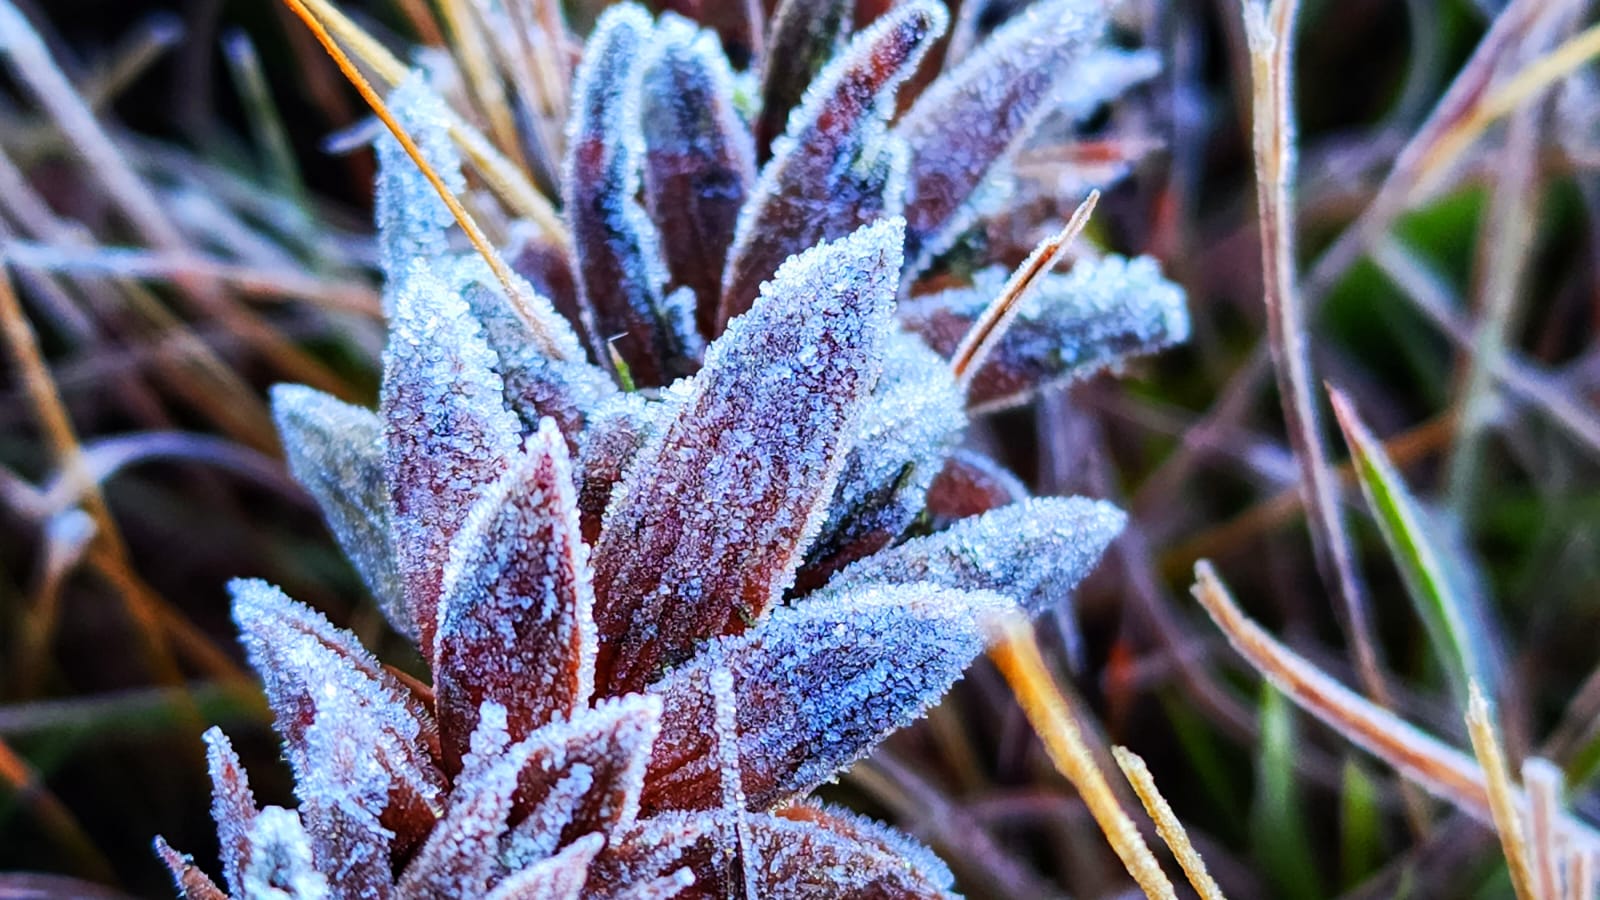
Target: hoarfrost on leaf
x=561, y=877
x=710, y=522
x=413, y=222
x=233, y=807
x=805, y=34
x=280, y=867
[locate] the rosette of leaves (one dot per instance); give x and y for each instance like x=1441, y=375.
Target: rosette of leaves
x=668, y=582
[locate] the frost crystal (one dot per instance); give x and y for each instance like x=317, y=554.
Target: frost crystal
x=714, y=511
x=1094, y=316
x=233, y=807
x=280, y=864
x=412, y=221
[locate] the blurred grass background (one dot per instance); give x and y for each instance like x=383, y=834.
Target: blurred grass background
x=242, y=259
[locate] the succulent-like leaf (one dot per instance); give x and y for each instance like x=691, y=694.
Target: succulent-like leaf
x=974, y=118
x=908, y=427
x=613, y=741
x=618, y=430
x=547, y=268
x=739, y=24
x=714, y=514
x=447, y=433
x=345, y=776
x=805, y=35
x=191, y=882
x=516, y=623
x=816, y=685
x=233, y=807
x=928, y=867
x=666, y=887
x=1073, y=324
x=413, y=222
x=536, y=384
x=335, y=451
x=1035, y=552
x=698, y=162
x=561, y=877
x=836, y=168
x=650, y=853
x=970, y=484
x=801, y=860
x=618, y=255
x=281, y=860
x=312, y=671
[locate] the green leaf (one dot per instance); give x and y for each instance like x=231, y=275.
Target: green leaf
x=1360, y=825
x=1277, y=818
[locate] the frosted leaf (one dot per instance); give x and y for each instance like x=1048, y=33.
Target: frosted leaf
x=460, y=856
x=617, y=430
x=191, y=882
x=972, y=120
x=539, y=834
x=516, y=620
x=447, y=433
x=647, y=850
x=613, y=741
x=698, y=162
x=547, y=268
x=1073, y=324
x=836, y=168
x=335, y=451
x=413, y=222
x=664, y=888
x=709, y=524
x=308, y=667
x=1035, y=552
x=1100, y=75
x=345, y=786
x=909, y=426
x=618, y=257
x=233, y=807
x=561, y=877
x=970, y=484
x=817, y=685
x=802, y=861
x=805, y=35
x=737, y=24
x=280, y=862
x=930, y=868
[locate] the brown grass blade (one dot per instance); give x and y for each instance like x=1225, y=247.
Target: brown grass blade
x=1501, y=794
x=1167, y=824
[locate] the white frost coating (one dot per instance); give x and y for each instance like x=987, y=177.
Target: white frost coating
x=516, y=621
x=925, y=862
x=1100, y=75
x=913, y=421
x=972, y=120
x=335, y=451
x=280, y=861
x=817, y=685
x=512, y=339
x=539, y=834
x=651, y=846
x=719, y=682
x=447, y=432
x=344, y=787
x=1035, y=552
x=805, y=861
x=413, y=222
x=664, y=888
x=560, y=877
x=613, y=739
x=1074, y=324
x=712, y=517
x=233, y=807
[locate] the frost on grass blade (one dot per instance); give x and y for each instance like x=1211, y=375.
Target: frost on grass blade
x=970, y=484
x=711, y=520
x=908, y=427
x=313, y=673
x=515, y=621
x=447, y=433
x=805, y=35
x=930, y=868
x=974, y=118
x=413, y=223
x=836, y=168
x=613, y=741
x=1035, y=552
x=1101, y=312
x=618, y=257
x=335, y=451
x=233, y=807
x=281, y=862
x=698, y=162
x=191, y=882
x=816, y=686
x=561, y=877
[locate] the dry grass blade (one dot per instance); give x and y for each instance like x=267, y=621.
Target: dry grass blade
x=53, y=816
x=1581, y=870
x=1270, y=34
x=1545, y=785
x=1167, y=824
x=1441, y=770
x=987, y=331
x=1502, y=797
x=509, y=282
x=1016, y=654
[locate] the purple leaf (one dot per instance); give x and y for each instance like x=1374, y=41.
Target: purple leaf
x=561, y=877
x=447, y=430
x=806, y=34
x=617, y=431
x=972, y=120
x=698, y=162
x=711, y=520
x=970, y=484
x=613, y=742
x=516, y=624
x=816, y=686
x=836, y=168
x=233, y=807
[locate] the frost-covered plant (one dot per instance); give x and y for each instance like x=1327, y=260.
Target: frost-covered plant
x=669, y=585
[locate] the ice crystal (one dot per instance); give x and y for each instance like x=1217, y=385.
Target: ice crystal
x=659, y=609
